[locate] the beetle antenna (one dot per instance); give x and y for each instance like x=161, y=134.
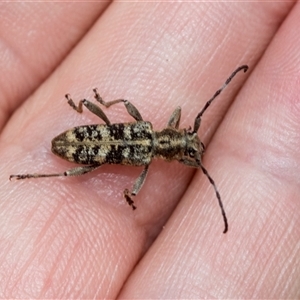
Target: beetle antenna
x=217, y=93
x=218, y=197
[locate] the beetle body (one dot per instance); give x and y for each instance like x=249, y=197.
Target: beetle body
x=123, y=143
x=134, y=144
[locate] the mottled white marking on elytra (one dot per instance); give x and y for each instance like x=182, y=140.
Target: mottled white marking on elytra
x=104, y=132
x=134, y=144
x=127, y=133
x=126, y=152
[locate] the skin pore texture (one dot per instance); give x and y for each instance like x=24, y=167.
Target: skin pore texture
x=77, y=237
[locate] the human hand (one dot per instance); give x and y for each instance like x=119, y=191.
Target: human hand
x=77, y=237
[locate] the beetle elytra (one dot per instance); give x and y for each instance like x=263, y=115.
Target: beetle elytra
x=134, y=143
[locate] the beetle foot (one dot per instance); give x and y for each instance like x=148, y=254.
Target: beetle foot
x=128, y=198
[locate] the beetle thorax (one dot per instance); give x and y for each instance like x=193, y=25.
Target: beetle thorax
x=175, y=144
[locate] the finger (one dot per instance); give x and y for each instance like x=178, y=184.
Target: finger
x=35, y=37
x=254, y=158
x=129, y=59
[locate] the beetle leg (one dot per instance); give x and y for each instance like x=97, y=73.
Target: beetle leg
x=175, y=118
x=95, y=109
x=72, y=172
x=136, y=187
x=131, y=109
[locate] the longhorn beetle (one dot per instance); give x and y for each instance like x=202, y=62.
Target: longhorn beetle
x=133, y=144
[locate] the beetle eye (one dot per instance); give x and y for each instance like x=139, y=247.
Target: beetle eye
x=192, y=153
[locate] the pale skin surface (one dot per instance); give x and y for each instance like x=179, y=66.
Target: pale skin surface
x=77, y=237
